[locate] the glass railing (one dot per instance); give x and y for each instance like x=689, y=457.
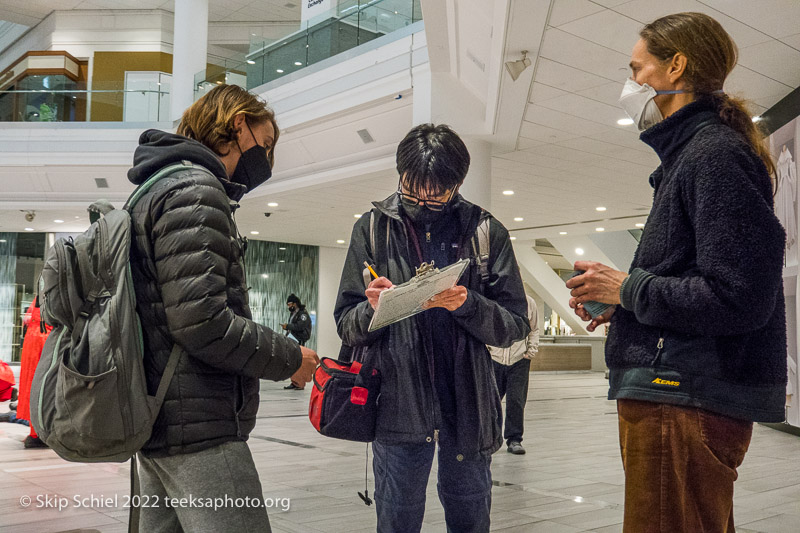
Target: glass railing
x=350, y=24
x=76, y=105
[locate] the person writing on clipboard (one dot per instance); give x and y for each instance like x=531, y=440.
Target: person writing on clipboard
x=437, y=383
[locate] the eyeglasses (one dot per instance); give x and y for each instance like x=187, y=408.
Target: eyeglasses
x=433, y=205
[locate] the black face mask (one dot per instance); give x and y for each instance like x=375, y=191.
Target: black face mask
x=422, y=215
x=253, y=167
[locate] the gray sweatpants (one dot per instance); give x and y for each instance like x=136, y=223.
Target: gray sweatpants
x=185, y=490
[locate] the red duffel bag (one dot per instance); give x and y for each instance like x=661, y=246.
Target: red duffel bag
x=344, y=400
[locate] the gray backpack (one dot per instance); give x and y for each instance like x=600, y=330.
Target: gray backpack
x=89, y=399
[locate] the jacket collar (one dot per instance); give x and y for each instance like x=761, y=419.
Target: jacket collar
x=670, y=135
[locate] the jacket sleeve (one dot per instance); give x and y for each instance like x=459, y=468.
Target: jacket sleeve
x=532, y=342
x=734, y=287
x=191, y=238
x=303, y=323
x=353, y=312
x=499, y=316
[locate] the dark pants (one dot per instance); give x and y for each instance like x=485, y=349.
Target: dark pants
x=512, y=382
x=680, y=464
x=401, y=480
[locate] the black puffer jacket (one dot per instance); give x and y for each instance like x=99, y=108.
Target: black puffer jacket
x=703, y=318
x=494, y=315
x=188, y=272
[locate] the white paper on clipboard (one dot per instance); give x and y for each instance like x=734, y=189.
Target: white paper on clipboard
x=403, y=301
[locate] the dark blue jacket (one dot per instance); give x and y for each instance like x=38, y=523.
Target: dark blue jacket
x=702, y=321
x=408, y=409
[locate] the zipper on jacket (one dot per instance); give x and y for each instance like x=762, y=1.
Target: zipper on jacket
x=435, y=435
x=659, y=346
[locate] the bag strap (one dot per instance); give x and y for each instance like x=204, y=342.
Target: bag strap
x=481, y=249
x=145, y=187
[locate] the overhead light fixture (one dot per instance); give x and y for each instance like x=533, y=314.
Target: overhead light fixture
x=513, y=238
x=58, y=221
x=357, y=215
x=272, y=204
x=579, y=251
x=515, y=68
x=508, y=193
x=625, y=121
x=253, y=233
x=599, y=229
x=518, y=219
x=639, y=225
x=340, y=241
x=251, y=62
x=601, y=208
x=29, y=229
x=562, y=232
x=282, y=248
x=756, y=119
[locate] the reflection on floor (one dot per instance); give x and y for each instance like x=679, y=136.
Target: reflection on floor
x=570, y=480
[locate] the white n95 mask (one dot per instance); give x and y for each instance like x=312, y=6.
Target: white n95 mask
x=637, y=101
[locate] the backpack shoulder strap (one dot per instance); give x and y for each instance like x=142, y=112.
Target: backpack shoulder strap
x=480, y=247
x=145, y=187
x=377, y=245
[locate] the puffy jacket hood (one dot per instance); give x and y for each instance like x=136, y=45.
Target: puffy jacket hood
x=158, y=149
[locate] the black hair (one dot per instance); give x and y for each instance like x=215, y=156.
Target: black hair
x=432, y=159
x=292, y=299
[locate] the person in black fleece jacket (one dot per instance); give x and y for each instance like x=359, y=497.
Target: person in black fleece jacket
x=697, y=341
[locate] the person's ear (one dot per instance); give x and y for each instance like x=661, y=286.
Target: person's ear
x=677, y=67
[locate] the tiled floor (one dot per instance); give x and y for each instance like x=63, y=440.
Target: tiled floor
x=570, y=480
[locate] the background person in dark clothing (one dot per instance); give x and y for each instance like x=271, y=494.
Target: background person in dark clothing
x=437, y=382
x=187, y=266
x=299, y=326
x=697, y=343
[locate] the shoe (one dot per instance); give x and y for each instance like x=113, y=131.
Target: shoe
x=14, y=396
x=6, y=417
x=292, y=386
x=34, y=442
x=12, y=406
x=516, y=448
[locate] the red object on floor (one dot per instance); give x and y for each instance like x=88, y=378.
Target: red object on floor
x=31, y=352
x=7, y=381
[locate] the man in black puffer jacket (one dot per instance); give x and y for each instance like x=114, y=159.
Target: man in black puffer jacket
x=697, y=342
x=187, y=266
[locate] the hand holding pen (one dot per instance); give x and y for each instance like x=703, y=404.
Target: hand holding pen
x=376, y=286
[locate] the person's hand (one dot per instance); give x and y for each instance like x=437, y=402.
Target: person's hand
x=586, y=317
x=529, y=355
x=283, y=326
x=450, y=299
x=376, y=286
x=305, y=373
x=598, y=283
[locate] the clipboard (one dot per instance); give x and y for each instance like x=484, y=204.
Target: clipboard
x=403, y=301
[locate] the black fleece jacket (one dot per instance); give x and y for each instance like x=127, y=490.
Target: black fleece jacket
x=187, y=266
x=702, y=320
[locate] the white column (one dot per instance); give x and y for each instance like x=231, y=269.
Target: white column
x=189, y=51
x=477, y=187
x=331, y=262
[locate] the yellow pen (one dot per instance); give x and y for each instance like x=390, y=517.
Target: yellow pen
x=371, y=271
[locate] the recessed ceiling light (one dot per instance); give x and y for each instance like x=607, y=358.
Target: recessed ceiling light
x=513, y=238
x=518, y=219
x=272, y=204
x=357, y=215
x=562, y=232
x=253, y=233
x=251, y=62
x=508, y=193
x=625, y=121
x=282, y=248
x=599, y=229
x=279, y=70
x=265, y=276
x=601, y=208
x=579, y=251
x=28, y=229
x=756, y=119
x=298, y=63
x=639, y=225
x=340, y=241
x=58, y=221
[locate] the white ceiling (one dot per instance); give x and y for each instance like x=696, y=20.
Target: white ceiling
x=570, y=157
x=31, y=12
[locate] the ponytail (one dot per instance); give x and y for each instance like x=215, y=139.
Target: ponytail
x=734, y=114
